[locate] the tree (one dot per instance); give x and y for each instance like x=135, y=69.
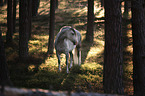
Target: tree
x=30, y=17
x=2, y=2
x=9, y=33
x=11, y=20
x=138, y=32
x=51, y=27
x=56, y=2
x=102, y=3
x=4, y=78
x=90, y=21
x=126, y=9
x=35, y=6
x=113, y=55
x=24, y=28
x=14, y=15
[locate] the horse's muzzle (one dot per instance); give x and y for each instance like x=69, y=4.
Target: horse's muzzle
x=75, y=42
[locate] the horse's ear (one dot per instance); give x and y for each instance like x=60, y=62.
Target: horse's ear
x=73, y=30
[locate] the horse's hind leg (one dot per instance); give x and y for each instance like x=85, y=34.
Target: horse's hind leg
x=59, y=67
x=79, y=56
x=67, y=58
x=71, y=58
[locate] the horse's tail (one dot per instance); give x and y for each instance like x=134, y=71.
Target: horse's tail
x=77, y=56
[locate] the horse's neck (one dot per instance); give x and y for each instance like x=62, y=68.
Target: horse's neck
x=69, y=44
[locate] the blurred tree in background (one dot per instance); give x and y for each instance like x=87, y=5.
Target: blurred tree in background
x=4, y=77
x=9, y=21
x=2, y=2
x=138, y=32
x=90, y=21
x=35, y=6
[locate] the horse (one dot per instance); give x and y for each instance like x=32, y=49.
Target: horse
x=68, y=41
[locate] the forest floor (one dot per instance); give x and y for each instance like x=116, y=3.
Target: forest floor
x=41, y=71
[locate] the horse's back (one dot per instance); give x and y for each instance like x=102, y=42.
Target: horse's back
x=63, y=45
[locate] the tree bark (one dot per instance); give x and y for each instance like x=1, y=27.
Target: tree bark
x=126, y=9
x=4, y=78
x=14, y=15
x=30, y=17
x=90, y=21
x=138, y=31
x=24, y=29
x=51, y=27
x=1, y=2
x=56, y=6
x=35, y=6
x=113, y=55
x=9, y=33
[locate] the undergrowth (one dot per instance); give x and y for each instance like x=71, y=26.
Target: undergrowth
x=41, y=71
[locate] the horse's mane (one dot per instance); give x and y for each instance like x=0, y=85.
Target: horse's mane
x=62, y=31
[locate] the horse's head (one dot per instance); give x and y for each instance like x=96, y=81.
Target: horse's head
x=72, y=35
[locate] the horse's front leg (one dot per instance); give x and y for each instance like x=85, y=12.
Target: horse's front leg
x=59, y=67
x=67, y=58
x=71, y=58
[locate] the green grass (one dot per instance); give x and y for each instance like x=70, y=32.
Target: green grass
x=41, y=71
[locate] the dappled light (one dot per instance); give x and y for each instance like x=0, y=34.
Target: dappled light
x=31, y=67
x=38, y=44
x=41, y=71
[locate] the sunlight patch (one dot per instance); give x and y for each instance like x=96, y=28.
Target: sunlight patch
x=94, y=51
x=91, y=66
x=98, y=10
x=81, y=11
x=31, y=67
x=34, y=41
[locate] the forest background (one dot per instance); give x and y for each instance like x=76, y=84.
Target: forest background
x=41, y=71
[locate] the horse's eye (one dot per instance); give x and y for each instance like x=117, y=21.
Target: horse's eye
x=72, y=34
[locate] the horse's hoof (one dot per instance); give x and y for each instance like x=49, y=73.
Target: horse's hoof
x=67, y=71
x=59, y=70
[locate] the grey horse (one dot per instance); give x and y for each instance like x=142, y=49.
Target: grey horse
x=68, y=41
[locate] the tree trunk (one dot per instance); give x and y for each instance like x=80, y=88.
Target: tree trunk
x=14, y=15
x=113, y=55
x=30, y=17
x=51, y=27
x=1, y=2
x=138, y=31
x=35, y=6
x=24, y=28
x=4, y=78
x=90, y=22
x=102, y=3
x=9, y=33
x=126, y=9
x=56, y=6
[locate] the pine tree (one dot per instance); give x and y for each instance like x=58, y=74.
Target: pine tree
x=113, y=55
x=24, y=28
x=51, y=27
x=138, y=31
x=90, y=21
